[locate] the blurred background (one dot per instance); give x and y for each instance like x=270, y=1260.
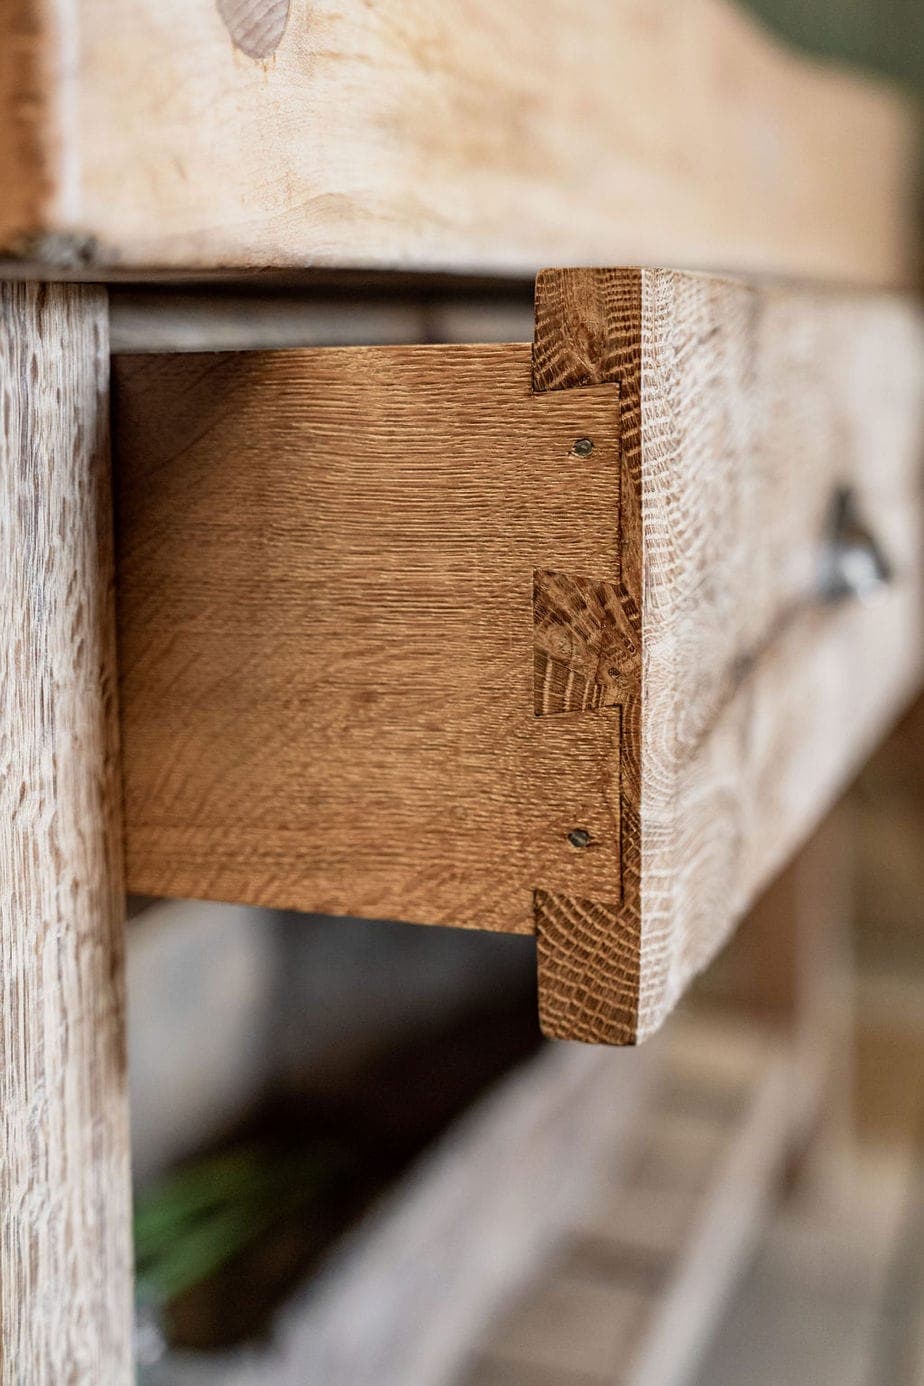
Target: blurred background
x=355, y=1160
x=883, y=36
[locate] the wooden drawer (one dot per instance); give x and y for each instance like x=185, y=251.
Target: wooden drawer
x=529, y=640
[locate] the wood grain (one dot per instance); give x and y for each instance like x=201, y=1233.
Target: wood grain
x=588, y=330
x=588, y=955
x=326, y=580
x=452, y=636
x=65, y=1255
x=743, y=412
x=586, y=653
x=476, y=136
x=759, y=699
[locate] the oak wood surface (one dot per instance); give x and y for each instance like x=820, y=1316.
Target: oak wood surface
x=65, y=1254
x=760, y=699
x=328, y=562
x=744, y=411
x=588, y=330
x=454, y=636
x=640, y=1277
x=140, y=135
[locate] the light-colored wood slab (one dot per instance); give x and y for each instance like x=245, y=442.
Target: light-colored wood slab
x=143, y=135
x=328, y=563
x=65, y=1253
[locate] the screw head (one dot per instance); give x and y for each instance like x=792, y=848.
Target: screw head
x=583, y=447
x=579, y=837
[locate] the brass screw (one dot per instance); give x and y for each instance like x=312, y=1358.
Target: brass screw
x=583, y=447
x=579, y=837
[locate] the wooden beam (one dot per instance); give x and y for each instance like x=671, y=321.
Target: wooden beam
x=65, y=1244
x=151, y=135
x=743, y=412
x=762, y=696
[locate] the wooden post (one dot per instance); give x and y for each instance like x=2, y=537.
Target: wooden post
x=65, y=1246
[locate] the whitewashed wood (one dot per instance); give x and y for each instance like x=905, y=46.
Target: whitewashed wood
x=151, y=321
x=759, y=701
x=142, y=135
x=402, y=1300
x=65, y=1255
x=710, y=515
x=148, y=321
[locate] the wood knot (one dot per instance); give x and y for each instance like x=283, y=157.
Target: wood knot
x=255, y=26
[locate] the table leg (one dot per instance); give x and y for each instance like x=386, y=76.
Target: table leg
x=65, y=1237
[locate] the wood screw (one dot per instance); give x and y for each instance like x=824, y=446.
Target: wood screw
x=583, y=447
x=579, y=837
